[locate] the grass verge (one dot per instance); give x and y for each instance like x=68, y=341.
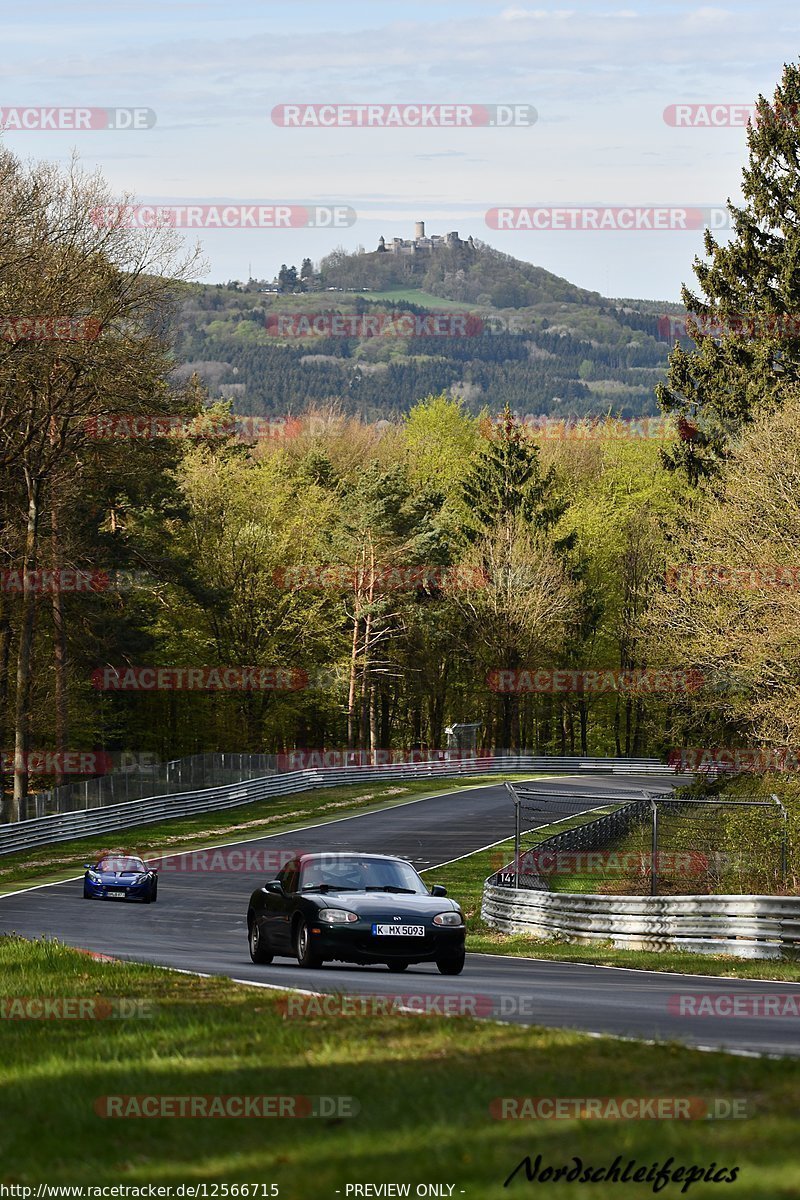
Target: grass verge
x=424, y=1085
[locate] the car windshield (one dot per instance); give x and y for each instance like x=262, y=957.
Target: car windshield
x=339, y=873
x=120, y=865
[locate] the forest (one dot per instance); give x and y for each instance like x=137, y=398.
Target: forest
x=347, y=582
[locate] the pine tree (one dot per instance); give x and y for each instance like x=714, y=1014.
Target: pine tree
x=745, y=321
x=507, y=482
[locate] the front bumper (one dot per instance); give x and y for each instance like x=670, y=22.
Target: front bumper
x=99, y=891
x=357, y=943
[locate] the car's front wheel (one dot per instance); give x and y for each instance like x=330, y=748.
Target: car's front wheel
x=400, y=964
x=451, y=966
x=307, y=956
x=87, y=895
x=259, y=949
x=152, y=894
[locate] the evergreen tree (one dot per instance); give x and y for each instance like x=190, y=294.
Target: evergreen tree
x=507, y=482
x=746, y=320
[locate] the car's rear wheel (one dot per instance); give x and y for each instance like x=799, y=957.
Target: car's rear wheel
x=307, y=956
x=259, y=949
x=451, y=966
x=399, y=964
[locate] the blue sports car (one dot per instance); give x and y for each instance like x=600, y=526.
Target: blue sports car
x=119, y=877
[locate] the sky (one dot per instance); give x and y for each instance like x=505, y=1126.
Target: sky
x=207, y=78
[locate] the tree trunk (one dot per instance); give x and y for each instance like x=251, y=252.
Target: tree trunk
x=584, y=715
x=351, y=693
x=5, y=654
x=59, y=653
x=25, y=656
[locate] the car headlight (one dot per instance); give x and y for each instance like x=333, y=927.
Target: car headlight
x=93, y=877
x=140, y=879
x=337, y=916
x=448, y=918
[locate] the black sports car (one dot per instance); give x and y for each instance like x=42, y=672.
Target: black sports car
x=120, y=877
x=359, y=908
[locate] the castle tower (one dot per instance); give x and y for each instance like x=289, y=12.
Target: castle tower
x=419, y=229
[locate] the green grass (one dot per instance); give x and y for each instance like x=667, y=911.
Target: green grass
x=409, y=295
x=464, y=880
x=62, y=860
x=424, y=1086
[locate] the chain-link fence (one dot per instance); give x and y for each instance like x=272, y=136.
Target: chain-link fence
x=143, y=780
x=650, y=844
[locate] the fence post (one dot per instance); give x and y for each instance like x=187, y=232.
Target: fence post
x=517, y=831
x=784, y=839
x=654, y=850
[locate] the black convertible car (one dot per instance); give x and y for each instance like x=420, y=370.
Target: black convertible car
x=358, y=908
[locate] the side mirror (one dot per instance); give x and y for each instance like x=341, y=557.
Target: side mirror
x=88, y=866
x=274, y=886
x=438, y=890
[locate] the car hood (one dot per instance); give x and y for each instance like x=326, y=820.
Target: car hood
x=385, y=903
x=124, y=878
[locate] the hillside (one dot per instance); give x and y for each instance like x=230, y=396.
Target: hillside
x=533, y=340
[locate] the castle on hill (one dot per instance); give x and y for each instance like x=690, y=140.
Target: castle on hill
x=420, y=244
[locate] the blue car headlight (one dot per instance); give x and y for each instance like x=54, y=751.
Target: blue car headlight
x=93, y=877
x=448, y=918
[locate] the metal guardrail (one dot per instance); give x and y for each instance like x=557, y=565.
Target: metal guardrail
x=60, y=827
x=741, y=926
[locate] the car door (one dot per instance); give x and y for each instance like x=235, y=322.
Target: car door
x=278, y=909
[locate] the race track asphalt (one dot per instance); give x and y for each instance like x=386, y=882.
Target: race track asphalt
x=199, y=924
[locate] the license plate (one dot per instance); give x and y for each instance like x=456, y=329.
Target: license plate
x=398, y=930
x=117, y=895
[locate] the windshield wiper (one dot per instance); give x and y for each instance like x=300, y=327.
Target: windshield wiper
x=328, y=887
x=389, y=887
